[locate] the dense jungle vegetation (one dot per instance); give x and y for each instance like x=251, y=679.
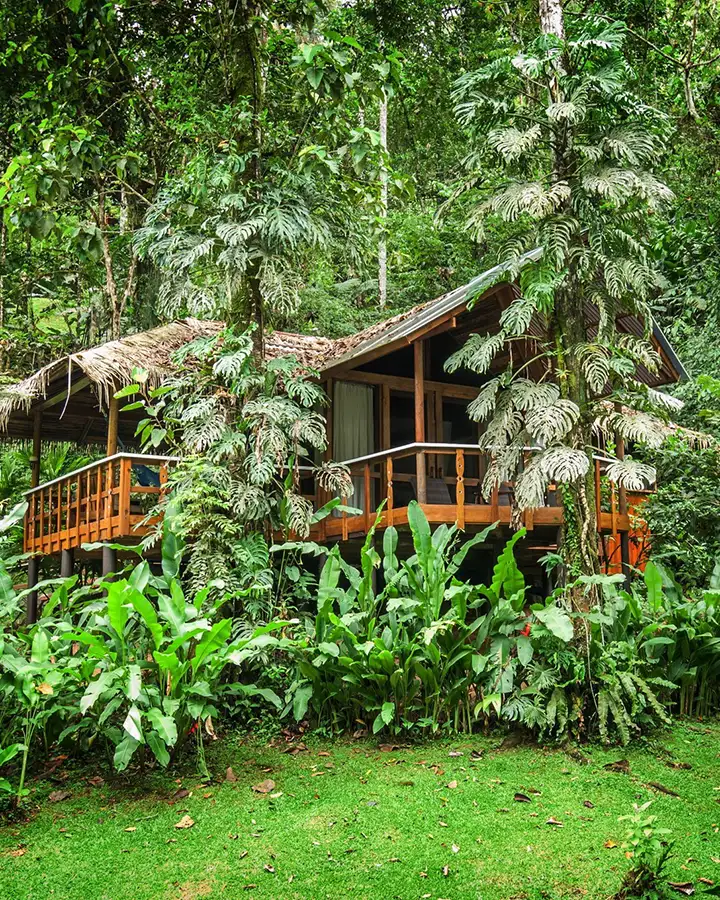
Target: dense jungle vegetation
x=317, y=166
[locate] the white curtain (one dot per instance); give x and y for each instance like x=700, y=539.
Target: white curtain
x=353, y=429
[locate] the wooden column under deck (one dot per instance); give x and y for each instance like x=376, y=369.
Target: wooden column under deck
x=419, y=373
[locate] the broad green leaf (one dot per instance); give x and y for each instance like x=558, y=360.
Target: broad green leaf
x=507, y=577
x=164, y=725
x=654, y=584
x=157, y=745
x=124, y=752
x=387, y=713
x=134, y=682
x=301, y=700
x=524, y=650
x=40, y=652
x=217, y=637
x=101, y=684
x=116, y=602
x=420, y=529
x=133, y=723
x=146, y=610
x=556, y=621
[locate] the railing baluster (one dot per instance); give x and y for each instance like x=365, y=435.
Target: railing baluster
x=460, y=487
x=344, y=520
x=598, y=493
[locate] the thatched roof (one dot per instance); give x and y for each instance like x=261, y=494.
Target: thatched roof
x=61, y=388
x=108, y=366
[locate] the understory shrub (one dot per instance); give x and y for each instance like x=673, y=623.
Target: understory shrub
x=129, y=663
x=427, y=651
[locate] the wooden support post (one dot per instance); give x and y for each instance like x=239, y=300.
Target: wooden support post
x=460, y=487
x=109, y=561
x=418, y=348
x=437, y=399
x=31, y=607
x=36, y=449
x=112, y=435
x=66, y=563
x=384, y=432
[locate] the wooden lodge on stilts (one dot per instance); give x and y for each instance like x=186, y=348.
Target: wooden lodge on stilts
x=396, y=418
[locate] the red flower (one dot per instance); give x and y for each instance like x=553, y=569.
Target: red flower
x=526, y=630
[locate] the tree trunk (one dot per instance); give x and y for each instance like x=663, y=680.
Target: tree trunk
x=551, y=18
x=382, y=244
x=578, y=535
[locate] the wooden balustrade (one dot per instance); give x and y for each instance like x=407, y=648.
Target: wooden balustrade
x=383, y=474
x=104, y=501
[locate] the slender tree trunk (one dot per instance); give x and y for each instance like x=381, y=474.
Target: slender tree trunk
x=551, y=18
x=578, y=535
x=382, y=244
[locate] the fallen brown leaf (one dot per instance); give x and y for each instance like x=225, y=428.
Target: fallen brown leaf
x=230, y=775
x=96, y=781
x=678, y=765
x=269, y=868
x=19, y=851
x=554, y=822
x=683, y=887
x=452, y=784
x=180, y=794
x=59, y=796
x=655, y=785
x=588, y=804
x=521, y=798
x=445, y=871
x=620, y=765
x=185, y=822
x=707, y=881
x=265, y=787
x=610, y=845
x=455, y=753
x=131, y=828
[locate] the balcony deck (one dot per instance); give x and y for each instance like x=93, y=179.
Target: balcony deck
x=442, y=469
x=103, y=501
x=106, y=501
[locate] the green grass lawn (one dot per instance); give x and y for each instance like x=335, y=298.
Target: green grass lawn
x=347, y=820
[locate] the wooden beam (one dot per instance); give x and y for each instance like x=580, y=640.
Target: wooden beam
x=407, y=385
x=419, y=377
x=36, y=448
x=112, y=435
x=79, y=385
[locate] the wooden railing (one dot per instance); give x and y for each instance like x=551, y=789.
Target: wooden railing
x=104, y=501
x=451, y=491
